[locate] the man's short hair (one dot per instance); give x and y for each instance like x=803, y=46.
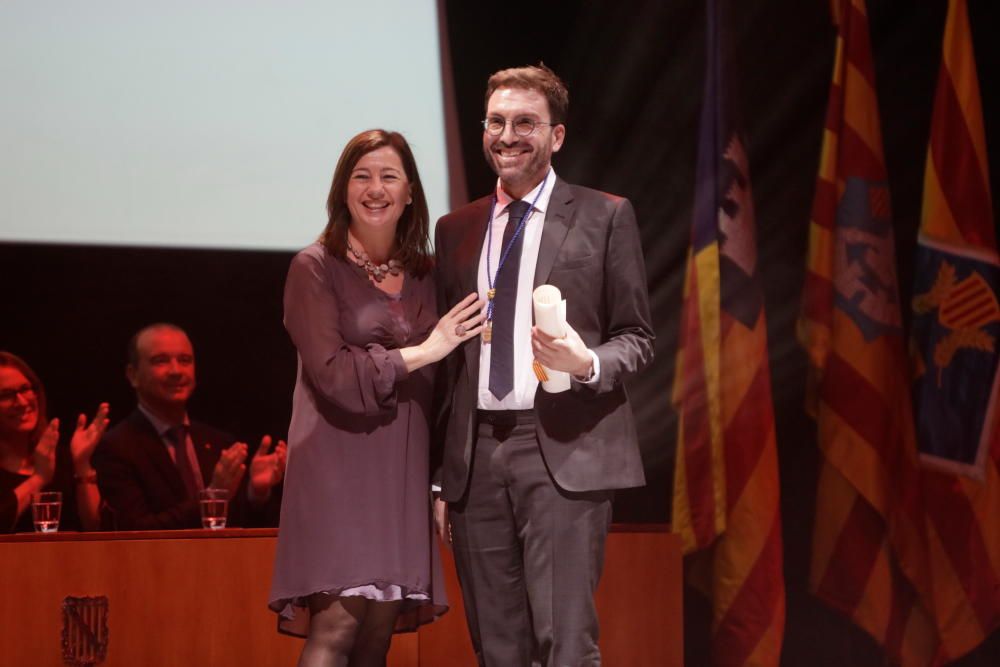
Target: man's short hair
x=534, y=77
x=133, y=342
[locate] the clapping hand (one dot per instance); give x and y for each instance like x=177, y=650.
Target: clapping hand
x=267, y=468
x=230, y=467
x=86, y=436
x=44, y=456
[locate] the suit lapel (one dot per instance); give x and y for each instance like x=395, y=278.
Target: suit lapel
x=469, y=250
x=558, y=220
x=470, y=246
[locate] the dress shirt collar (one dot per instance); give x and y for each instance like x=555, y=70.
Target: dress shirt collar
x=504, y=199
x=160, y=425
x=525, y=383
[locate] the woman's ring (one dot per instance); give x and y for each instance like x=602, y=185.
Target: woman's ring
x=459, y=330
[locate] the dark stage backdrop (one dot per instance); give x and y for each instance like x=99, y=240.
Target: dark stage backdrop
x=70, y=311
x=635, y=76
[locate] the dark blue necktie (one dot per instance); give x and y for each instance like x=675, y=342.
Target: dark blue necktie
x=178, y=435
x=502, y=342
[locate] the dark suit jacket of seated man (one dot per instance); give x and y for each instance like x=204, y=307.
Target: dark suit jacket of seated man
x=143, y=490
x=147, y=482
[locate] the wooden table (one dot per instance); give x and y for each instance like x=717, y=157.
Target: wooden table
x=197, y=597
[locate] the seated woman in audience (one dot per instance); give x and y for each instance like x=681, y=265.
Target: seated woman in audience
x=31, y=460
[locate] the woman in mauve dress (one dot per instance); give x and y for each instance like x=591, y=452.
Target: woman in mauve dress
x=356, y=557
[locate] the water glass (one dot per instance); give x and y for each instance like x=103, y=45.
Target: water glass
x=46, y=508
x=214, y=506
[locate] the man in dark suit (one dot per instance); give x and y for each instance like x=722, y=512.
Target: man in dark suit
x=527, y=475
x=152, y=465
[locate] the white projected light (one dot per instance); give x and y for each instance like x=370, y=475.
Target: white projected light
x=204, y=124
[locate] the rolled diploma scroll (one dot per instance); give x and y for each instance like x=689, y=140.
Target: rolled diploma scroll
x=550, y=317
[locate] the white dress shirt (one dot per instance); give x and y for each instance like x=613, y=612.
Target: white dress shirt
x=522, y=396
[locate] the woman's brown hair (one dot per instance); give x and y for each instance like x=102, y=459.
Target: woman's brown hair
x=412, y=230
x=13, y=361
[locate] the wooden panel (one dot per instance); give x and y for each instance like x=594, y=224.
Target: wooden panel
x=198, y=598
x=172, y=602
x=639, y=601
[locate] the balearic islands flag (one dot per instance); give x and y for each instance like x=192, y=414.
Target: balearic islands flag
x=726, y=505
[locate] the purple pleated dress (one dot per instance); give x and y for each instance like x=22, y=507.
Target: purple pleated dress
x=355, y=513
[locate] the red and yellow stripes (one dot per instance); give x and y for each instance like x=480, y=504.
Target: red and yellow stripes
x=726, y=488
x=699, y=511
x=726, y=493
x=868, y=546
x=964, y=555
x=851, y=129
x=855, y=571
x=957, y=208
x=957, y=218
x=749, y=590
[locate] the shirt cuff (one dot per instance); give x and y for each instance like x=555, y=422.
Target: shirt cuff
x=396, y=357
x=595, y=370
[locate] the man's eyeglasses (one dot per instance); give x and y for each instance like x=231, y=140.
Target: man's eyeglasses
x=9, y=396
x=522, y=126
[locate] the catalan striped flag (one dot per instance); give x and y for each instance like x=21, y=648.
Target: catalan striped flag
x=869, y=549
x=956, y=324
x=726, y=505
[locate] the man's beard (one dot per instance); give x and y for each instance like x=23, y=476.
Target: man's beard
x=533, y=170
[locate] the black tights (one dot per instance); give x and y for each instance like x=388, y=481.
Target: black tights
x=348, y=631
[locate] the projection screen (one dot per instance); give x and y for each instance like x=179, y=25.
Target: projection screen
x=204, y=124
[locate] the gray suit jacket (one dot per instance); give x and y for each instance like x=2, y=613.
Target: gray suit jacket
x=590, y=249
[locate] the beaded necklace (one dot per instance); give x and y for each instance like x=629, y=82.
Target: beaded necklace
x=378, y=272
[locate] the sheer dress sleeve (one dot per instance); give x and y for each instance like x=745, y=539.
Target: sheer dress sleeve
x=359, y=380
